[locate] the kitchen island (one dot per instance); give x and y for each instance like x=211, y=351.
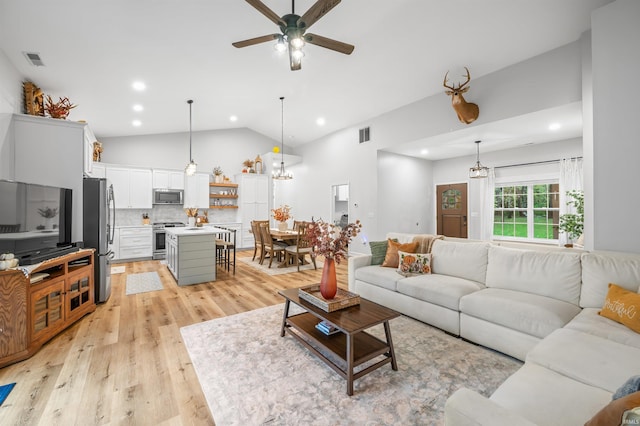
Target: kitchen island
x=191, y=254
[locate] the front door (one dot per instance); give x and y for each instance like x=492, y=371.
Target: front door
x=452, y=210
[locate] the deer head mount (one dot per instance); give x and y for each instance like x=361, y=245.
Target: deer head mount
x=467, y=112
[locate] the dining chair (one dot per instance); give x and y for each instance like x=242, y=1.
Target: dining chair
x=226, y=249
x=257, y=238
x=272, y=247
x=302, y=247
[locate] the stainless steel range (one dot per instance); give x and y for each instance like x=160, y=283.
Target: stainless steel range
x=159, y=238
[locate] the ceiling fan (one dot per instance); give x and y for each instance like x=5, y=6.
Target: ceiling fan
x=293, y=31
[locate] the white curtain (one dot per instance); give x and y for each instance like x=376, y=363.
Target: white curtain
x=570, y=180
x=486, y=213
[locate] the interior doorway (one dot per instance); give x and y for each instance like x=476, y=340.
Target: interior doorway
x=340, y=204
x=452, y=210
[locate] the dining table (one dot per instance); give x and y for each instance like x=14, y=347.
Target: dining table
x=288, y=236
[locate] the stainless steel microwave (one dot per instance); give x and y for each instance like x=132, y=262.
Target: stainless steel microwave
x=168, y=196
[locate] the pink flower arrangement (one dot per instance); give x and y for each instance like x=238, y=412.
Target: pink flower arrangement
x=330, y=241
x=282, y=213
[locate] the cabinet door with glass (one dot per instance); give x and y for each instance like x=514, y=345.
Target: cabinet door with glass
x=47, y=309
x=79, y=292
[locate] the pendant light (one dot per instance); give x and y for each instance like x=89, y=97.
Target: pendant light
x=282, y=174
x=478, y=171
x=191, y=168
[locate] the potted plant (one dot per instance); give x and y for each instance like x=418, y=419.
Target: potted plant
x=281, y=215
x=217, y=174
x=248, y=166
x=573, y=223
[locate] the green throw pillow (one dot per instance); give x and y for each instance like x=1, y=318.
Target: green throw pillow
x=378, y=251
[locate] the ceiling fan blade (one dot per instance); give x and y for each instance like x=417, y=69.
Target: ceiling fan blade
x=328, y=43
x=256, y=40
x=262, y=8
x=296, y=63
x=315, y=12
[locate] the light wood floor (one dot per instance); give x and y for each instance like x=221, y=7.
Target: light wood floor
x=126, y=363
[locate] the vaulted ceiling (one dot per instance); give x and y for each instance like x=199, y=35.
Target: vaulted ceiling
x=93, y=52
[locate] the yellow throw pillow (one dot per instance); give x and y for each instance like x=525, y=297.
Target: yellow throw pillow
x=391, y=259
x=622, y=306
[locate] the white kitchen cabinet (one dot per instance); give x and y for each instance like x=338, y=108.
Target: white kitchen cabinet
x=89, y=139
x=47, y=151
x=196, y=191
x=253, y=202
x=132, y=187
x=168, y=179
x=135, y=242
x=98, y=170
x=191, y=255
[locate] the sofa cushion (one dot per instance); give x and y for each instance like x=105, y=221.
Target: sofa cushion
x=525, y=312
x=548, y=398
x=588, y=321
x=441, y=290
x=587, y=358
x=410, y=264
x=378, y=276
x=391, y=259
x=552, y=274
x=600, y=269
x=460, y=259
x=622, y=306
x=612, y=413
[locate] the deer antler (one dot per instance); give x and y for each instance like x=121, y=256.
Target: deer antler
x=468, y=79
x=444, y=83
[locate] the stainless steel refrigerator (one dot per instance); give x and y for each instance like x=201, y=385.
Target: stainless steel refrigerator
x=99, y=215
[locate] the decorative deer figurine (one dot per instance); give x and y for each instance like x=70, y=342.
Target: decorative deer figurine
x=467, y=112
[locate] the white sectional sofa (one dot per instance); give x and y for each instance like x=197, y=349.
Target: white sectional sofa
x=537, y=304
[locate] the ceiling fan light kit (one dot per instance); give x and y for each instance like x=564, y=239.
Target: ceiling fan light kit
x=293, y=31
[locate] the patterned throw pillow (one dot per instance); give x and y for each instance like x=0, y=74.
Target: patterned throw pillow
x=622, y=306
x=414, y=263
x=391, y=258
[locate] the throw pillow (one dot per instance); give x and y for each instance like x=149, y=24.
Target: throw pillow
x=391, y=259
x=411, y=264
x=630, y=386
x=613, y=412
x=622, y=306
x=378, y=251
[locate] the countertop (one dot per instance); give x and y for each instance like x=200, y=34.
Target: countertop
x=132, y=226
x=205, y=230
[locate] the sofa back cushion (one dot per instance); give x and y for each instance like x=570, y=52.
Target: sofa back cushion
x=458, y=259
x=600, y=269
x=552, y=274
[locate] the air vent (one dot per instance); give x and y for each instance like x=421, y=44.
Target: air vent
x=365, y=135
x=34, y=59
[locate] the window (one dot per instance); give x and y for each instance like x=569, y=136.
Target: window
x=527, y=211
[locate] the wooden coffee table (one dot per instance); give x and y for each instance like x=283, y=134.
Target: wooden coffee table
x=352, y=346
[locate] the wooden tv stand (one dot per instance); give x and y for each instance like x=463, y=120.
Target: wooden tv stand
x=32, y=314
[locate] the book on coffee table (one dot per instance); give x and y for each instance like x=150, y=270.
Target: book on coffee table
x=326, y=328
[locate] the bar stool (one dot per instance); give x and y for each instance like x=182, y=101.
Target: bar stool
x=226, y=249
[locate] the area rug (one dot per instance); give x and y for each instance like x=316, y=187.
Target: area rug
x=274, y=270
x=251, y=375
x=117, y=269
x=5, y=390
x=143, y=282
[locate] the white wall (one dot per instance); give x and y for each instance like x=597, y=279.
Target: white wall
x=225, y=148
x=10, y=102
x=616, y=127
x=546, y=81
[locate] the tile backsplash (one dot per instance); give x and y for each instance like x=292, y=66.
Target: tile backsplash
x=128, y=217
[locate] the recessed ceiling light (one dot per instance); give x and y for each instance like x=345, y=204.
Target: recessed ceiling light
x=554, y=126
x=138, y=107
x=139, y=86
x=136, y=123
x=233, y=118
x=321, y=121
x=424, y=152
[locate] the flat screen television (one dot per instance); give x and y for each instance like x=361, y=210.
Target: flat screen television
x=34, y=219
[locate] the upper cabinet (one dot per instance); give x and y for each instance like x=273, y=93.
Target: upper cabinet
x=196, y=191
x=168, y=179
x=89, y=139
x=132, y=187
